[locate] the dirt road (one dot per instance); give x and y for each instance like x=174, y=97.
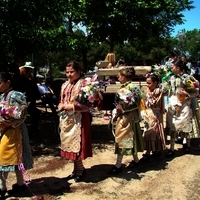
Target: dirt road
x=175, y=179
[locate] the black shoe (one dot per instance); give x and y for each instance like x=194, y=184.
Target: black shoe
x=179, y=140
x=79, y=176
x=3, y=192
x=145, y=157
x=170, y=154
x=71, y=176
x=133, y=164
x=17, y=188
x=115, y=170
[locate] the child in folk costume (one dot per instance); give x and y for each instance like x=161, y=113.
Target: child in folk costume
x=183, y=89
x=152, y=113
x=75, y=119
x=15, y=153
x=128, y=135
x=75, y=132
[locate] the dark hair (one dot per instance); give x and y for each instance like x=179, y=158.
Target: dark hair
x=76, y=66
x=153, y=77
x=173, y=54
x=182, y=65
x=127, y=72
x=6, y=76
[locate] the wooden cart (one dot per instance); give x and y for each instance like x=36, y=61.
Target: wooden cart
x=110, y=90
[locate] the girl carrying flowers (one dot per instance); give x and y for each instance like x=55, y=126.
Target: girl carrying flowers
x=78, y=95
x=128, y=135
x=183, y=90
x=14, y=143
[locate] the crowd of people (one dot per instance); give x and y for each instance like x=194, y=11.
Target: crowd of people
x=132, y=105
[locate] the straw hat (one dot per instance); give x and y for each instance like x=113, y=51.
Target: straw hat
x=28, y=65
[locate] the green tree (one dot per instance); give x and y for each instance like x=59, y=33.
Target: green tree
x=188, y=43
x=26, y=26
x=117, y=21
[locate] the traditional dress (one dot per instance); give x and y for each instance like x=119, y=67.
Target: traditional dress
x=11, y=140
x=128, y=134
x=152, y=113
x=180, y=116
x=75, y=132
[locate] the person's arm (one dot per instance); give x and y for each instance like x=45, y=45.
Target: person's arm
x=50, y=90
x=41, y=89
x=4, y=126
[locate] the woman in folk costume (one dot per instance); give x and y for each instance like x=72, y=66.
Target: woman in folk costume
x=152, y=114
x=75, y=133
x=128, y=135
x=14, y=145
x=183, y=90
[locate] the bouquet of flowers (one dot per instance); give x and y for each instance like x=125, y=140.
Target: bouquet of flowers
x=164, y=71
x=190, y=84
x=90, y=93
x=128, y=97
x=11, y=112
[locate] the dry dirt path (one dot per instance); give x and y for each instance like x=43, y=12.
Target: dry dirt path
x=175, y=179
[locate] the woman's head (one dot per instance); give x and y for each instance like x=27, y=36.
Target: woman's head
x=126, y=74
x=73, y=71
x=152, y=81
x=5, y=81
x=179, y=67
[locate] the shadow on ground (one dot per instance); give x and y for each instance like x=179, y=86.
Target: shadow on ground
x=46, y=141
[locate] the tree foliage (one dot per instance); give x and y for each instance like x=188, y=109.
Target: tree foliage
x=116, y=21
x=52, y=30
x=188, y=43
x=27, y=26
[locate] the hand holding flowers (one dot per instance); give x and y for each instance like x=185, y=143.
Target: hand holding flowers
x=86, y=97
x=90, y=93
x=190, y=84
x=128, y=97
x=11, y=112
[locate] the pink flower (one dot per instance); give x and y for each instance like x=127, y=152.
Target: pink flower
x=2, y=111
x=91, y=99
x=94, y=78
x=128, y=99
x=196, y=84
